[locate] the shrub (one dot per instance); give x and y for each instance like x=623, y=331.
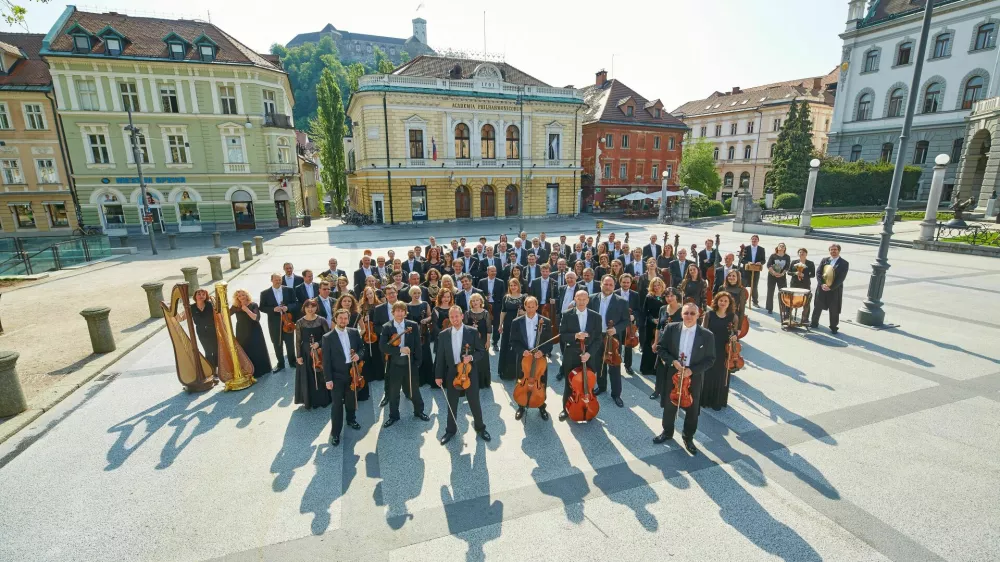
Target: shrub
x=854, y=184
x=788, y=201
x=727, y=203
x=705, y=207
x=762, y=203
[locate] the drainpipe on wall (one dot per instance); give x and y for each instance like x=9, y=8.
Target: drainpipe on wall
x=388, y=165
x=71, y=181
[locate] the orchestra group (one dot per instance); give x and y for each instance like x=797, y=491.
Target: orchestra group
x=429, y=318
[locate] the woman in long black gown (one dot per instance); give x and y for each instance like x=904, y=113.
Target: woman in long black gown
x=249, y=334
x=203, y=315
x=693, y=288
x=420, y=312
x=720, y=320
x=478, y=317
x=310, y=385
x=513, y=306
x=374, y=369
x=669, y=314
x=651, y=311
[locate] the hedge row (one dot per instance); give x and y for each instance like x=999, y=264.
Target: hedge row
x=855, y=184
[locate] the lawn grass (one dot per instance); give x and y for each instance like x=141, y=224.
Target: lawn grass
x=861, y=219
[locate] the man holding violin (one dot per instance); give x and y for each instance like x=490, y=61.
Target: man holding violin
x=339, y=356
x=528, y=332
x=460, y=345
x=615, y=317
x=403, y=368
x=275, y=301
x=575, y=326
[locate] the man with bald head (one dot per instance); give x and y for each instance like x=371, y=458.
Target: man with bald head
x=578, y=325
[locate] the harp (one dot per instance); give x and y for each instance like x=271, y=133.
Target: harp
x=235, y=368
x=193, y=370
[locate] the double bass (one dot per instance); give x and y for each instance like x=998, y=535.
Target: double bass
x=582, y=405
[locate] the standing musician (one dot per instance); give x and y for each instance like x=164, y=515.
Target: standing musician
x=305, y=290
x=327, y=305
x=708, y=258
x=722, y=272
x=544, y=288
x=340, y=350
x=404, y=362
x=830, y=292
x=362, y=274
x=493, y=289
x=679, y=268
x=800, y=275
x=693, y=288
x=275, y=301
x=752, y=254
x=777, y=269
x=652, y=302
x=589, y=284
x=697, y=345
x=631, y=297
x=531, y=271
x=451, y=351
x=333, y=272
x=382, y=315
x=412, y=264
x=575, y=326
x=665, y=259
x=527, y=332
x=464, y=295
x=290, y=280
x=615, y=311
x=486, y=261
x=562, y=268
x=636, y=266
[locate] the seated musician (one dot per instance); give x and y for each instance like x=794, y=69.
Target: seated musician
x=527, y=333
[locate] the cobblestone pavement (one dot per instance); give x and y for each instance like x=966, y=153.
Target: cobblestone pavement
x=864, y=445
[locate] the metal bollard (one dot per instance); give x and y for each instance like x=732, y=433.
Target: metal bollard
x=101, y=338
x=172, y=241
x=259, y=243
x=12, y=401
x=247, y=252
x=216, y=239
x=215, y=264
x=191, y=276
x=154, y=295
x=234, y=257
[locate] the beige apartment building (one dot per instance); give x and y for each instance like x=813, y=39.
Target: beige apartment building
x=744, y=124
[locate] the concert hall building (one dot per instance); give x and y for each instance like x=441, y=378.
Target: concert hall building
x=457, y=143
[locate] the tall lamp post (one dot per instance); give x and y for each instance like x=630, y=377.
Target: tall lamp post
x=663, y=197
x=520, y=133
x=871, y=312
x=147, y=217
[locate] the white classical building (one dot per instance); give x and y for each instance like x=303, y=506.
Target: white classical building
x=880, y=48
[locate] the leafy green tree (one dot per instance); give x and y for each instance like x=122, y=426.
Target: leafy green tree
x=328, y=132
x=304, y=65
x=13, y=12
x=382, y=62
x=697, y=170
x=792, y=152
x=354, y=73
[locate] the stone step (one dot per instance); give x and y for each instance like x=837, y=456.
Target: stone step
x=856, y=239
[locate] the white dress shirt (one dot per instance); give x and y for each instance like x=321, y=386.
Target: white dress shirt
x=605, y=303
x=328, y=305
x=545, y=290
x=456, y=343
x=687, y=343
x=567, y=300
x=345, y=342
x=309, y=290
x=290, y=280
x=753, y=253
x=582, y=317
x=489, y=289
x=531, y=329
x=833, y=261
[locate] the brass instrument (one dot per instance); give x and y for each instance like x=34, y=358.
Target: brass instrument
x=829, y=274
x=193, y=370
x=235, y=368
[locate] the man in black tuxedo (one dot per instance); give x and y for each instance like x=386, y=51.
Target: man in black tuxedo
x=305, y=290
x=529, y=331
x=752, y=254
x=290, y=280
x=560, y=273
x=460, y=344
x=565, y=302
x=637, y=266
x=326, y=306
x=697, y=345
x=471, y=263
x=708, y=258
x=493, y=288
x=679, y=267
x=614, y=314
x=432, y=244
x=520, y=252
x=275, y=301
x=466, y=291
x=411, y=264
x=576, y=325
x=337, y=360
x=723, y=270
x=564, y=248
x=652, y=250
x=544, y=287
x=414, y=281
x=383, y=314
x=630, y=296
x=361, y=275
x=486, y=261
x=333, y=271
x=541, y=254
x=403, y=367
x=830, y=296
x=576, y=255
x=545, y=244
x=588, y=283
x=530, y=271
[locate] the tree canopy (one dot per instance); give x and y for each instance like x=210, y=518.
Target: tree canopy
x=328, y=131
x=697, y=170
x=792, y=152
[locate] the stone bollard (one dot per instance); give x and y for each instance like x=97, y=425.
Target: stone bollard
x=191, y=276
x=259, y=245
x=234, y=257
x=172, y=241
x=123, y=241
x=12, y=400
x=247, y=252
x=154, y=295
x=215, y=264
x=101, y=338
x=929, y=224
x=216, y=239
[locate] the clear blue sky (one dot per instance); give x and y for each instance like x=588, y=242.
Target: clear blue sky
x=675, y=50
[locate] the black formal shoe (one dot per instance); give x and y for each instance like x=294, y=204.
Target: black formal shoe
x=834, y=330
x=495, y=348
x=756, y=304
x=619, y=403
x=654, y=396
x=563, y=415
x=689, y=445
x=560, y=377
x=769, y=311
x=598, y=392
x=446, y=437
x=385, y=400
x=388, y=422
x=485, y=435
x=334, y=440
x=543, y=414
x=519, y=413
x=814, y=326
x=662, y=438
x=354, y=425
x=422, y=416
x=629, y=371
x=277, y=369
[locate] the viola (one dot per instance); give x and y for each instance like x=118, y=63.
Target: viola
x=680, y=395
x=463, y=369
x=357, y=380
x=529, y=392
x=734, y=351
x=317, y=359
x=632, y=335
x=369, y=335
x=582, y=405
x=612, y=349
x=287, y=322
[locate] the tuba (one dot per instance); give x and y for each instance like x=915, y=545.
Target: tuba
x=235, y=368
x=193, y=370
x=828, y=275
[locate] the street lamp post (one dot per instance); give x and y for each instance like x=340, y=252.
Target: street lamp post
x=663, y=197
x=133, y=135
x=871, y=312
x=520, y=135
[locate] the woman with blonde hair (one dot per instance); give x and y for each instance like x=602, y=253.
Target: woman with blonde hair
x=479, y=318
x=249, y=334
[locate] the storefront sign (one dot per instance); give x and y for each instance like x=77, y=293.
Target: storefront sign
x=484, y=106
x=135, y=180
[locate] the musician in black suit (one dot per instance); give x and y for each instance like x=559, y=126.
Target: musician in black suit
x=403, y=367
x=723, y=270
x=652, y=250
x=361, y=275
x=460, y=344
x=520, y=253
x=614, y=314
x=340, y=349
x=636, y=267
x=545, y=244
x=530, y=271
x=678, y=267
x=541, y=253
x=465, y=292
x=305, y=290
x=830, y=296
x=753, y=254
x=528, y=332
x=433, y=244
x=414, y=281
x=708, y=258
x=630, y=296
x=412, y=264
x=383, y=314
x=588, y=283
x=290, y=280
x=544, y=287
x=485, y=262
x=274, y=301
x=327, y=304
x=333, y=273
x=493, y=288
x=576, y=325
x=697, y=345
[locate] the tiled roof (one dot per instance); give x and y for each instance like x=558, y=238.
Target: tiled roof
x=814, y=88
x=883, y=10
x=605, y=103
x=434, y=66
x=144, y=38
x=30, y=71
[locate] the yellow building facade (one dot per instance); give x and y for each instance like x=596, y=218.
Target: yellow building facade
x=459, y=146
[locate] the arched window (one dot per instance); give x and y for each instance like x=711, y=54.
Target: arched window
x=932, y=97
x=895, y=103
x=973, y=91
x=864, y=107
x=920, y=152
x=715, y=153
x=513, y=143
x=871, y=61
x=986, y=36
x=886, y=152
x=732, y=152
x=855, y=153
x=747, y=150
x=728, y=181
x=462, y=141
x=745, y=180
x=489, y=140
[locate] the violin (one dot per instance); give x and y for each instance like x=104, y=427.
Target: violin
x=680, y=395
x=734, y=351
x=529, y=392
x=369, y=335
x=397, y=341
x=287, y=322
x=461, y=381
x=632, y=335
x=357, y=380
x=582, y=405
x=612, y=349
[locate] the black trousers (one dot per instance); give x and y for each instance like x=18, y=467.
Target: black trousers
x=471, y=394
x=397, y=375
x=278, y=338
x=627, y=358
x=604, y=372
x=818, y=309
x=752, y=283
x=690, y=414
x=773, y=283
x=343, y=399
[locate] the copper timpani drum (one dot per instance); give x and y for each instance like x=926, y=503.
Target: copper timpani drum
x=793, y=304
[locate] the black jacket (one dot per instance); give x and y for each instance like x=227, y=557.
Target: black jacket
x=569, y=326
x=298, y=281
x=411, y=340
x=462, y=301
x=519, y=338
x=535, y=290
x=617, y=313
x=499, y=290
x=444, y=363
x=300, y=292
x=702, y=351
x=268, y=303
x=652, y=251
x=336, y=367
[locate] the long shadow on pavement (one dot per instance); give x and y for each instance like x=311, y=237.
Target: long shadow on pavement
x=468, y=471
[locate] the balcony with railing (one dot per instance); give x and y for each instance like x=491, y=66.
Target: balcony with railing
x=378, y=81
x=985, y=106
x=282, y=168
x=278, y=121
x=237, y=167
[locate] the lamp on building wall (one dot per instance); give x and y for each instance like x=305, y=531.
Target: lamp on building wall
x=248, y=124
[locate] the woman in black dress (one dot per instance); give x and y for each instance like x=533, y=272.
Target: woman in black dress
x=513, y=306
x=665, y=259
x=651, y=311
x=420, y=312
x=310, y=384
x=203, y=315
x=603, y=266
x=777, y=269
x=374, y=369
x=445, y=299
x=693, y=288
x=669, y=314
x=433, y=262
x=578, y=268
x=249, y=334
x=648, y=274
x=448, y=268
x=720, y=321
x=478, y=317
x=343, y=288
x=617, y=269
x=800, y=275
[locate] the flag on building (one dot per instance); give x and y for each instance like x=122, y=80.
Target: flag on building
x=434, y=149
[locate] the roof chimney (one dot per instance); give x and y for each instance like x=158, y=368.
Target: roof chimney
x=602, y=78
x=737, y=90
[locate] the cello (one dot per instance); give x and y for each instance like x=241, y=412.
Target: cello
x=528, y=391
x=582, y=405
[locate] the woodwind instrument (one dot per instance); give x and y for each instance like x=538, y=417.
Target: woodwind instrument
x=193, y=370
x=235, y=368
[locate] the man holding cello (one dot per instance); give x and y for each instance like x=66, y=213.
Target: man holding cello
x=460, y=345
x=531, y=336
x=614, y=315
x=576, y=326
